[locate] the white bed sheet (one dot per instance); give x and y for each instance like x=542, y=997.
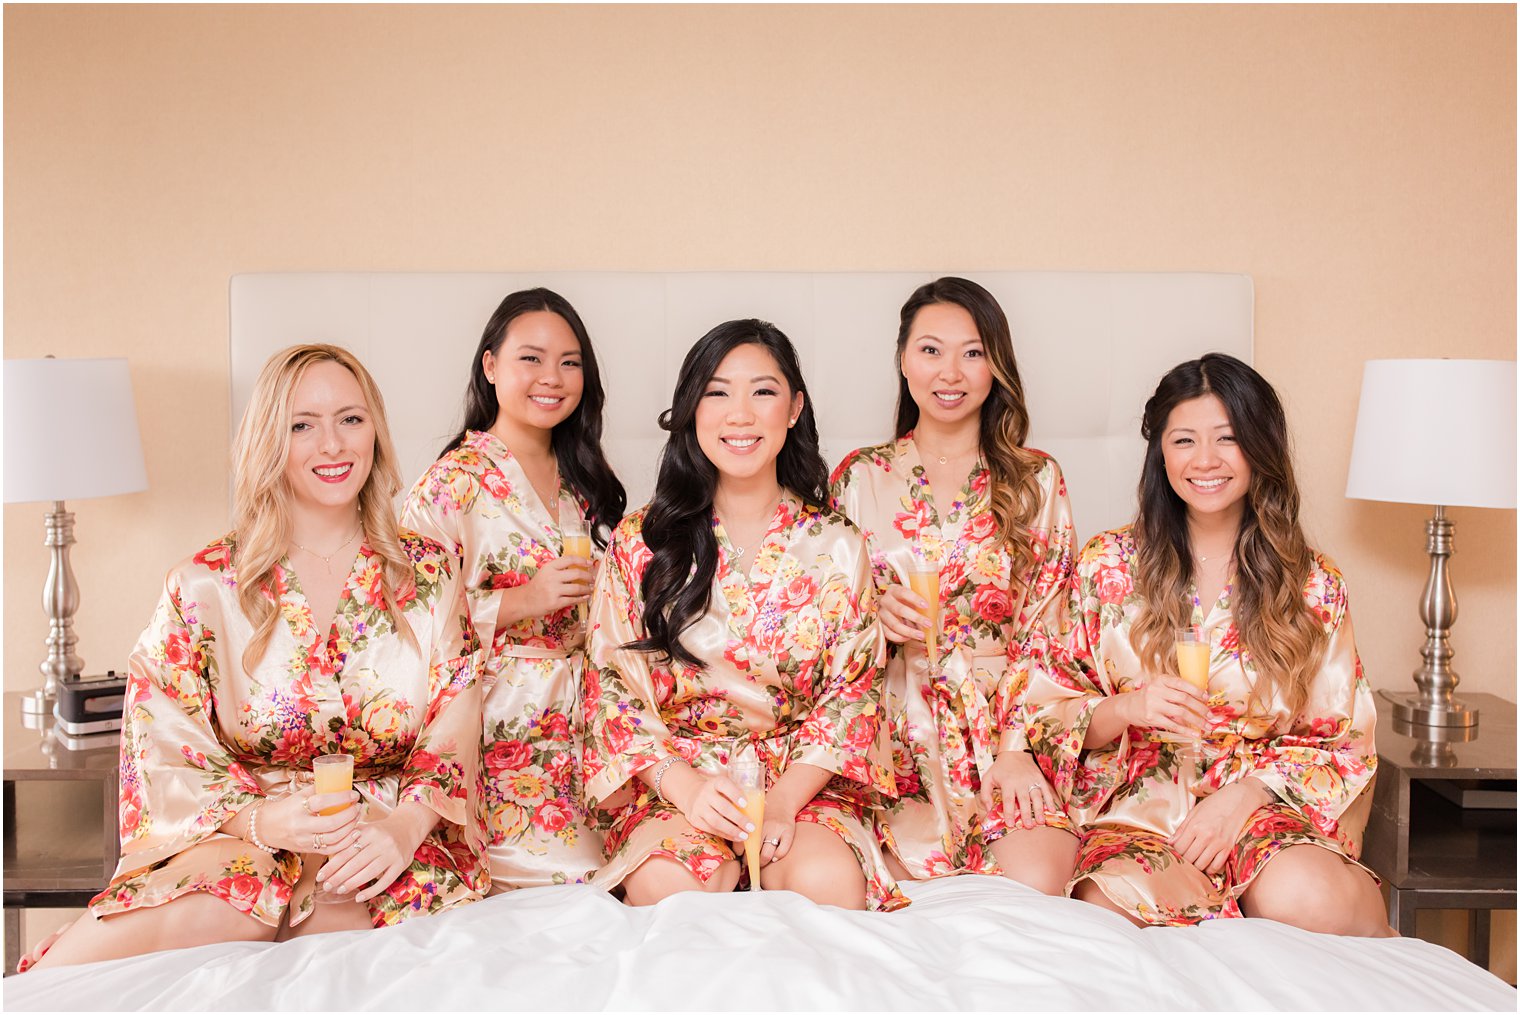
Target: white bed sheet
x=965, y=943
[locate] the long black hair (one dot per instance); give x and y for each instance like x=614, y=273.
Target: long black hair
x=678, y=526
x=576, y=440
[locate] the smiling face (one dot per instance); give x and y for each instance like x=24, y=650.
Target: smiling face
x=745, y=413
x=536, y=373
x=332, y=439
x=945, y=365
x=1204, y=464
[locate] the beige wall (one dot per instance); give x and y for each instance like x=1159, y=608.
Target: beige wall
x=1357, y=162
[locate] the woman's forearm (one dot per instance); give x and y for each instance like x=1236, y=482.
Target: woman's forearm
x=798, y=785
x=1109, y=719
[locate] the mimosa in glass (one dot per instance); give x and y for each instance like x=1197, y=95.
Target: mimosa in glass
x=334, y=773
x=745, y=772
x=575, y=537
x=923, y=579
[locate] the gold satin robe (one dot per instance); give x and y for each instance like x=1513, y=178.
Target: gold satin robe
x=477, y=501
x=791, y=655
x=203, y=738
x=950, y=720
x=1130, y=796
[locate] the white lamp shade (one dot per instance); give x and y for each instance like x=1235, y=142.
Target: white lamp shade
x=1435, y=431
x=70, y=430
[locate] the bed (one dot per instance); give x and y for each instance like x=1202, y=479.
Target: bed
x=965, y=943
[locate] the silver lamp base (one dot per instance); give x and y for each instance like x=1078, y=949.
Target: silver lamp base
x=1417, y=709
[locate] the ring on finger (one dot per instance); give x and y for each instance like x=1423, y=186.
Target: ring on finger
x=317, y=841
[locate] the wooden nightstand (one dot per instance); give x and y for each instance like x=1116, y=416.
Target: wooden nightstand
x=1442, y=830
x=61, y=874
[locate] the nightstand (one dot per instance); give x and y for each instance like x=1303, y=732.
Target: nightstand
x=64, y=873
x=1442, y=830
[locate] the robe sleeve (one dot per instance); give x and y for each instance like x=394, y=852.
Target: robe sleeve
x=843, y=733
x=847, y=495
x=179, y=782
x=1327, y=758
x=625, y=733
x=1066, y=684
x=442, y=772
x=1044, y=602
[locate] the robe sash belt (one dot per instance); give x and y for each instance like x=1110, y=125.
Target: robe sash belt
x=955, y=696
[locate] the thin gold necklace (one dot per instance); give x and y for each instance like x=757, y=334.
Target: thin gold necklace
x=326, y=559
x=945, y=459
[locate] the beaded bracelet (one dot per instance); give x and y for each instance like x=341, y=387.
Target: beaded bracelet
x=659, y=775
x=253, y=827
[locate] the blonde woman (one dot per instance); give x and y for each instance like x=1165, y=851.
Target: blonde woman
x=1235, y=798
x=315, y=628
x=958, y=492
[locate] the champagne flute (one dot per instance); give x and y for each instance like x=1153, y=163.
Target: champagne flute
x=334, y=773
x=746, y=774
x=923, y=579
x=575, y=537
x=1193, y=652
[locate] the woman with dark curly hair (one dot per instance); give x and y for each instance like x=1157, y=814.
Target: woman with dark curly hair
x=734, y=624
x=1234, y=792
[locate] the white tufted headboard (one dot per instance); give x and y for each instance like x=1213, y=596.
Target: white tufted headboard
x=1090, y=347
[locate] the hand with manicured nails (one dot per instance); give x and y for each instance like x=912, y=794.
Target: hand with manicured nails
x=904, y=615
x=1016, y=779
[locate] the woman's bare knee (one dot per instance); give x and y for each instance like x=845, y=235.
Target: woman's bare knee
x=820, y=866
x=659, y=878
x=1087, y=890
x=1316, y=889
x=194, y=919
x=1042, y=858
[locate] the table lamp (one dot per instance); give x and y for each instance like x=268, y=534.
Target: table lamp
x=70, y=433
x=1438, y=432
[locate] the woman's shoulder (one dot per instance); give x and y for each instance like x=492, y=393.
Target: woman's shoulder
x=212, y=563
x=1107, y=548
x=862, y=461
x=1325, y=587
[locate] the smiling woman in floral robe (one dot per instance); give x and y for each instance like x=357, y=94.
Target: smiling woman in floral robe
x=791, y=660
x=203, y=738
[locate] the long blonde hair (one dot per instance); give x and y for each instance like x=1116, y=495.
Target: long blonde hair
x=1013, y=489
x=1280, y=635
x=261, y=499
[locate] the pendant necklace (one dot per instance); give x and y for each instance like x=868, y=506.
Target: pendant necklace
x=326, y=559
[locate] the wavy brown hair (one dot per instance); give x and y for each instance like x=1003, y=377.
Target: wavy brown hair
x=1279, y=634
x=261, y=498
x=1014, y=490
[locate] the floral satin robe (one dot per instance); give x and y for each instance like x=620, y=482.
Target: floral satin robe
x=203, y=738
x=1130, y=796
x=478, y=501
x=950, y=721
x=792, y=657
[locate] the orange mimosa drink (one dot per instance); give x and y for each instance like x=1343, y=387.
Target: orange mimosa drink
x=334, y=774
x=923, y=579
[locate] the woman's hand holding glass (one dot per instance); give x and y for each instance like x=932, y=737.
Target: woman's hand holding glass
x=295, y=822
x=561, y=582
x=1165, y=702
x=904, y=615
x=712, y=803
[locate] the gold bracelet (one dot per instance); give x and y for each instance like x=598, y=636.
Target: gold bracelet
x=659, y=776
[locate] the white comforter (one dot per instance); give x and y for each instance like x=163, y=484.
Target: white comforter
x=965, y=943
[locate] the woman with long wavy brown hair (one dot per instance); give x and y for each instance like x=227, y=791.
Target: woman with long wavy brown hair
x=958, y=496
x=1234, y=791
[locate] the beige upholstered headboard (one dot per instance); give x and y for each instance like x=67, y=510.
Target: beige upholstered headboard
x=1090, y=346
